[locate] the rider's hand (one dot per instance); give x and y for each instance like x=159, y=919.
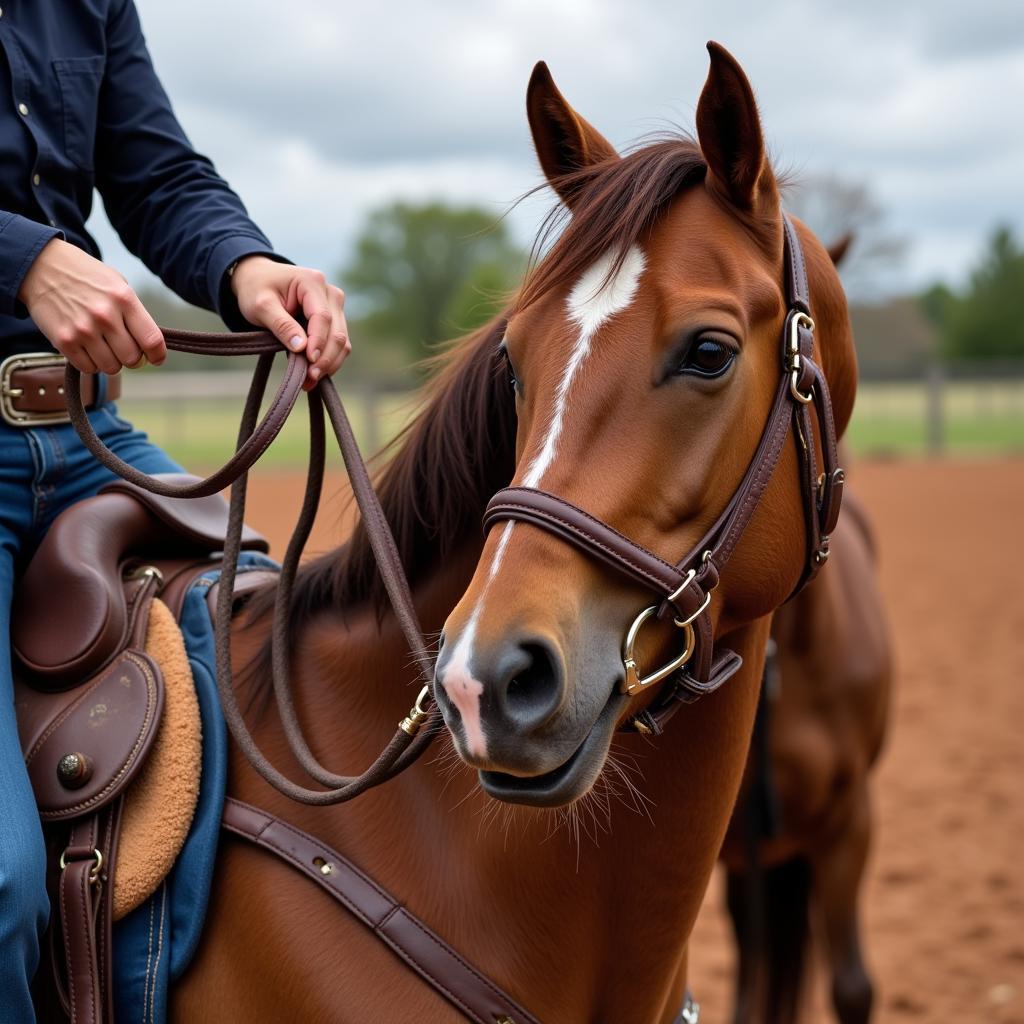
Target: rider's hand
x=88, y=311
x=270, y=294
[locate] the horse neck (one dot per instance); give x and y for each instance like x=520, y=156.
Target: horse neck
x=621, y=888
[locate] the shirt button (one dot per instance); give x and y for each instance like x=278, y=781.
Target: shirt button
x=23, y=110
x=35, y=179
x=53, y=223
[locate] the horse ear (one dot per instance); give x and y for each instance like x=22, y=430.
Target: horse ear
x=564, y=141
x=839, y=248
x=729, y=131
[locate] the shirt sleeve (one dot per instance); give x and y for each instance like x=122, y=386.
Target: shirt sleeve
x=166, y=201
x=21, y=241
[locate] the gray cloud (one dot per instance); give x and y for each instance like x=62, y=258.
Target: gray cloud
x=317, y=110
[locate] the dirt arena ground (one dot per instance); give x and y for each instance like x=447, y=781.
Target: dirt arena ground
x=944, y=908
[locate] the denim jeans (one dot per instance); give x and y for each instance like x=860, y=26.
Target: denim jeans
x=42, y=471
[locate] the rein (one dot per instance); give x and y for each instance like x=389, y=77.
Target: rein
x=415, y=732
x=686, y=588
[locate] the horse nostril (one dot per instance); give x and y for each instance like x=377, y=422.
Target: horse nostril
x=532, y=685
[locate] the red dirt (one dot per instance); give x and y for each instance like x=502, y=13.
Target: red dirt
x=944, y=908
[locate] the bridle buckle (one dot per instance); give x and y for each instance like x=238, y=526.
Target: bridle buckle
x=793, y=362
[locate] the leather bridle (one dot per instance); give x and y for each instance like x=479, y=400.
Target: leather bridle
x=686, y=588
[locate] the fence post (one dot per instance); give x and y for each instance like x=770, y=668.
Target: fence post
x=935, y=426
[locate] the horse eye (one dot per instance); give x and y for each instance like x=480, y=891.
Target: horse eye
x=513, y=380
x=707, y=358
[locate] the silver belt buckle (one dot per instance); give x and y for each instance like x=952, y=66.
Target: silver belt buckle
x=8, y=392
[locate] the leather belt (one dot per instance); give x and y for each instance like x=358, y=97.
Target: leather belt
x=32, y=390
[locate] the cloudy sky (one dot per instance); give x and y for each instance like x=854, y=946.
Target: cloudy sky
x=318, y=110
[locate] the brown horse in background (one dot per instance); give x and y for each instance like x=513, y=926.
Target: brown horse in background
x=634, y=375
x=816, y=741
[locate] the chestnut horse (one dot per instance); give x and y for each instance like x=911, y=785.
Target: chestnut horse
x=633, y=375
x=824, y=720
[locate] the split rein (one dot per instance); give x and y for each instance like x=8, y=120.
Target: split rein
x=415, y=732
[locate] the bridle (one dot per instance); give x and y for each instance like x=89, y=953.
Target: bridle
x=686, y=588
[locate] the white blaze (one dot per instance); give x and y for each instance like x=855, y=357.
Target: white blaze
x=464, y=691
x=593, y=301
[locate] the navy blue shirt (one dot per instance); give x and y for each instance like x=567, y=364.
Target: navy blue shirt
x=81, y=108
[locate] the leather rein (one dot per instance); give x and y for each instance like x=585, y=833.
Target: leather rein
x=685, y=589
x=415, y=732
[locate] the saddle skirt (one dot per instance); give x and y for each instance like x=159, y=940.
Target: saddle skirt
x=124, y=742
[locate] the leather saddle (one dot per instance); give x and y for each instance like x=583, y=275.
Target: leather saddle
x=89, y=701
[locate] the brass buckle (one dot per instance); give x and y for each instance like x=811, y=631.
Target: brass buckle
x=793, y=356
x=634, y=682
x=8, y=393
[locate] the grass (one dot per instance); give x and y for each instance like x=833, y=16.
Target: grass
x=890, y=419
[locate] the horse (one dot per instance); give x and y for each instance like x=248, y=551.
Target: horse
x=633, y=373
x=825, y=718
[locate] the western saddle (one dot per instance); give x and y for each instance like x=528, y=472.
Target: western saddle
x=89, y=700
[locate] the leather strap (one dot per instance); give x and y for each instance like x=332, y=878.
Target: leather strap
x=77, y=889
x=86, y=885
x=404, y=933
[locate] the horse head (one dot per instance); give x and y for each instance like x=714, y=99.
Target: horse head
x=643, y=352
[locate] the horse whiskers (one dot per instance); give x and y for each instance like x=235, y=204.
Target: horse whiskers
x=589, y=816
x=622, y=765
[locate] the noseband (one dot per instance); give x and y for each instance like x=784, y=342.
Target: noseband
x=685, y=589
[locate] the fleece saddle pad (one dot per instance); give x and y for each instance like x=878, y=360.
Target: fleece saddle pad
x=154, y=941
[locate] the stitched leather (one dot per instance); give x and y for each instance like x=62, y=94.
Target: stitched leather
x=410, y=939
x=78, y=919
x=71, y=617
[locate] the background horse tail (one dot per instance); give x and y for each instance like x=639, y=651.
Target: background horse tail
x=770, y=912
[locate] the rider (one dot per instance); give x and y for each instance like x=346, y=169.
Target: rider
x=81, y=107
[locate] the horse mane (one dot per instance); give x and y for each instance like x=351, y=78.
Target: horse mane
x=445, y=466
x=460, y=448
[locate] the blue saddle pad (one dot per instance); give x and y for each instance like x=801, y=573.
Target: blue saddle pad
x=154, y=944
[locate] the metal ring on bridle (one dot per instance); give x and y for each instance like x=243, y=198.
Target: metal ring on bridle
x=94, y=872
x=634, y=682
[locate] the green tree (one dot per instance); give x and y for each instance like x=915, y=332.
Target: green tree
x=422, y=274
x=987, y=321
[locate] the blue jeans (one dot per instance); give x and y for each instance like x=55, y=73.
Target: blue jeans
x=42, y=471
